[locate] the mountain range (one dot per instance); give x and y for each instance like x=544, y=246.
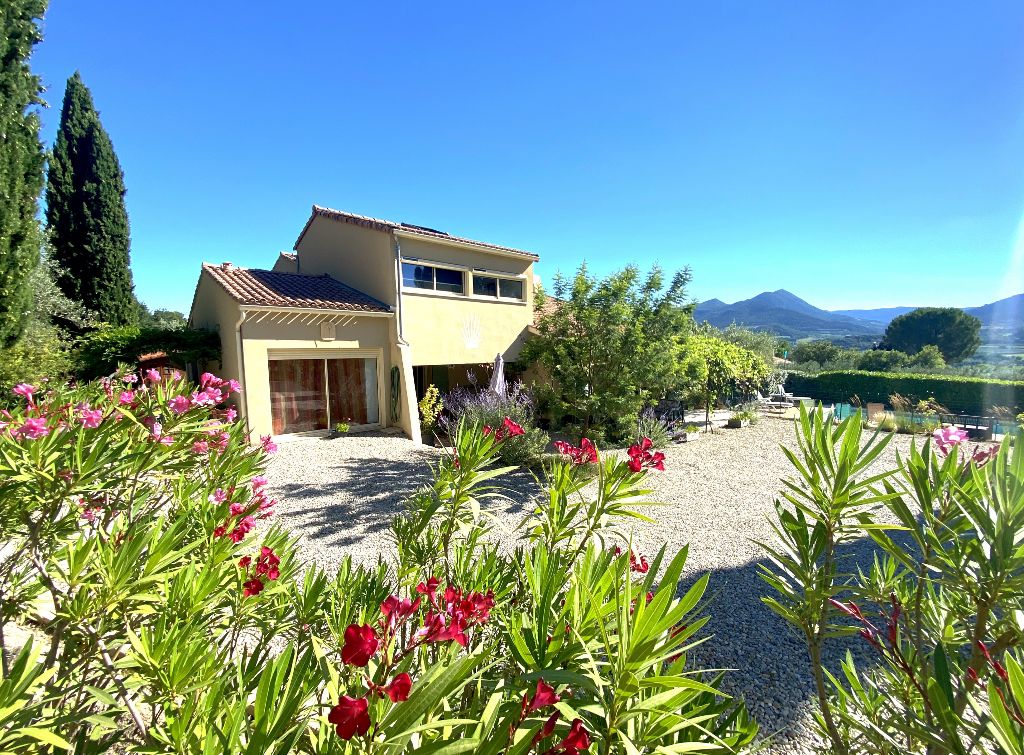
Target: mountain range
x=790, y=316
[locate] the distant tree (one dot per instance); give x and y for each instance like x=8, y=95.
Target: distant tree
x=85, y=212
x=760, y=342
x=882, y=360
x=929, y=357
x=713, y=368
x=611, y=345
x=820, y=351
x=956, y=333
x=161, y=319
x=21, y=163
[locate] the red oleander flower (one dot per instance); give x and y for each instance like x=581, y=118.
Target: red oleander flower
x=429, y=588
x=399, y=687
x=244, y=562
x=267, y=564
x=585, y=454
x=547, y=729
x=360, y=644
x=350, y=717
x=512, y=427
x=251, y=587
x=640, y=457
x=575, y=741
x=638, y=565
x=543, y=697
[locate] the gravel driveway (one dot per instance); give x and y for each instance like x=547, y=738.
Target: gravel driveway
x=340, y=495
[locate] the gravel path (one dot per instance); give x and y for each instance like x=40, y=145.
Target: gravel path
x=340, y=495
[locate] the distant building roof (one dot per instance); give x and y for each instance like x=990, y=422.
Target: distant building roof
x=391, y=226
x=268, y=288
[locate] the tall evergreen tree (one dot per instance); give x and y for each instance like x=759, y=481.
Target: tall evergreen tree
x=21, y=163
x=85, y=212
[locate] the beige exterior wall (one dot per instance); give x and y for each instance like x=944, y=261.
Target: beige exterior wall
x=214, y=310
x=360, y=257
x=452, y=329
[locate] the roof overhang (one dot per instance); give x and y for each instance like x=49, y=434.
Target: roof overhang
x=303, y=316
x=462, y=244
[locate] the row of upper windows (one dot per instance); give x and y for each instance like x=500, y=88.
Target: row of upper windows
x=433, y=278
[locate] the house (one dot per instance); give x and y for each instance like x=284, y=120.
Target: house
x=360, y=319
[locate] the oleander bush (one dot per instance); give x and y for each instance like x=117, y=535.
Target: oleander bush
x=169, y=619
x=942, y=605
x=967, y=395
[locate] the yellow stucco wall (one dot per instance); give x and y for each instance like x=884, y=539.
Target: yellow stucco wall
x=454, y=329
x=214, y=310
x=360, y=257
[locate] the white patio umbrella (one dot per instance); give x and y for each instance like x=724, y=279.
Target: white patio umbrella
x=497, y=383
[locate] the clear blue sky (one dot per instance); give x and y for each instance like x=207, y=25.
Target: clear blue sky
x=857, y=154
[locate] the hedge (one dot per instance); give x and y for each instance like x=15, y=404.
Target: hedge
x=966, y=395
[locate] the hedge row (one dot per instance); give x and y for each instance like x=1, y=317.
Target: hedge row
x=966, y=395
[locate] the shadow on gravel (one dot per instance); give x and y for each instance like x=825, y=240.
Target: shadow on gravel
x=369, y=492
x=772, y=668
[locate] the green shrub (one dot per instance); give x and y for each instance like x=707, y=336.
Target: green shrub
x=937, y=610
x=430, y=407
x=485, y=408
x=960, y=394
x=104, y=349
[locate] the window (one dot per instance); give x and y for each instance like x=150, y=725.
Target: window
x=485, y=285
x=449, y=280
x=432, y=278
x=509, y=288
x=499, y=288
x=316, y=394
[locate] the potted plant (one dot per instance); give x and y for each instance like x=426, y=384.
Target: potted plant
x=430, y=406
x=689, y=434
x=742, y=418
x=340, y=429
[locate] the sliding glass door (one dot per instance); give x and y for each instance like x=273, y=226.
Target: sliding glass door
x=316, y=394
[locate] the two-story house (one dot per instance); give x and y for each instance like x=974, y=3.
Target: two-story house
x=360, y=319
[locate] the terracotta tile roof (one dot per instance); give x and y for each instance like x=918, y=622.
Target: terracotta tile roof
x=267, y=288
x=391, y=226
x=550, y=306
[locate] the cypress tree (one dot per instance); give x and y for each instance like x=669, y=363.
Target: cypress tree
x=21, y=163
x=85, y=212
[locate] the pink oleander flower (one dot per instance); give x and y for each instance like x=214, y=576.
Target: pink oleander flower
x=24, y=389
x=242, y=528
x=235, y=509
x=179, y=404
x=233, y=386
x=89, y=418
x=948, y=438
x=33, y=428
x=218, y=496
x=207, y=397
x=131, y=378
x=230, y=414
x=153, y=376
x=258, y=483
x=125, y=398
x=200, y=447
x=269, y=446
x=176, y=375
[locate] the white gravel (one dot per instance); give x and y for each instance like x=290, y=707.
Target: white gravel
x=718, y=492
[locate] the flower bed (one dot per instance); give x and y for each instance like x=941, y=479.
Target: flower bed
x=130, y=503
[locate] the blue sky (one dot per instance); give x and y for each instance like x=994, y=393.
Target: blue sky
x=857, y=154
